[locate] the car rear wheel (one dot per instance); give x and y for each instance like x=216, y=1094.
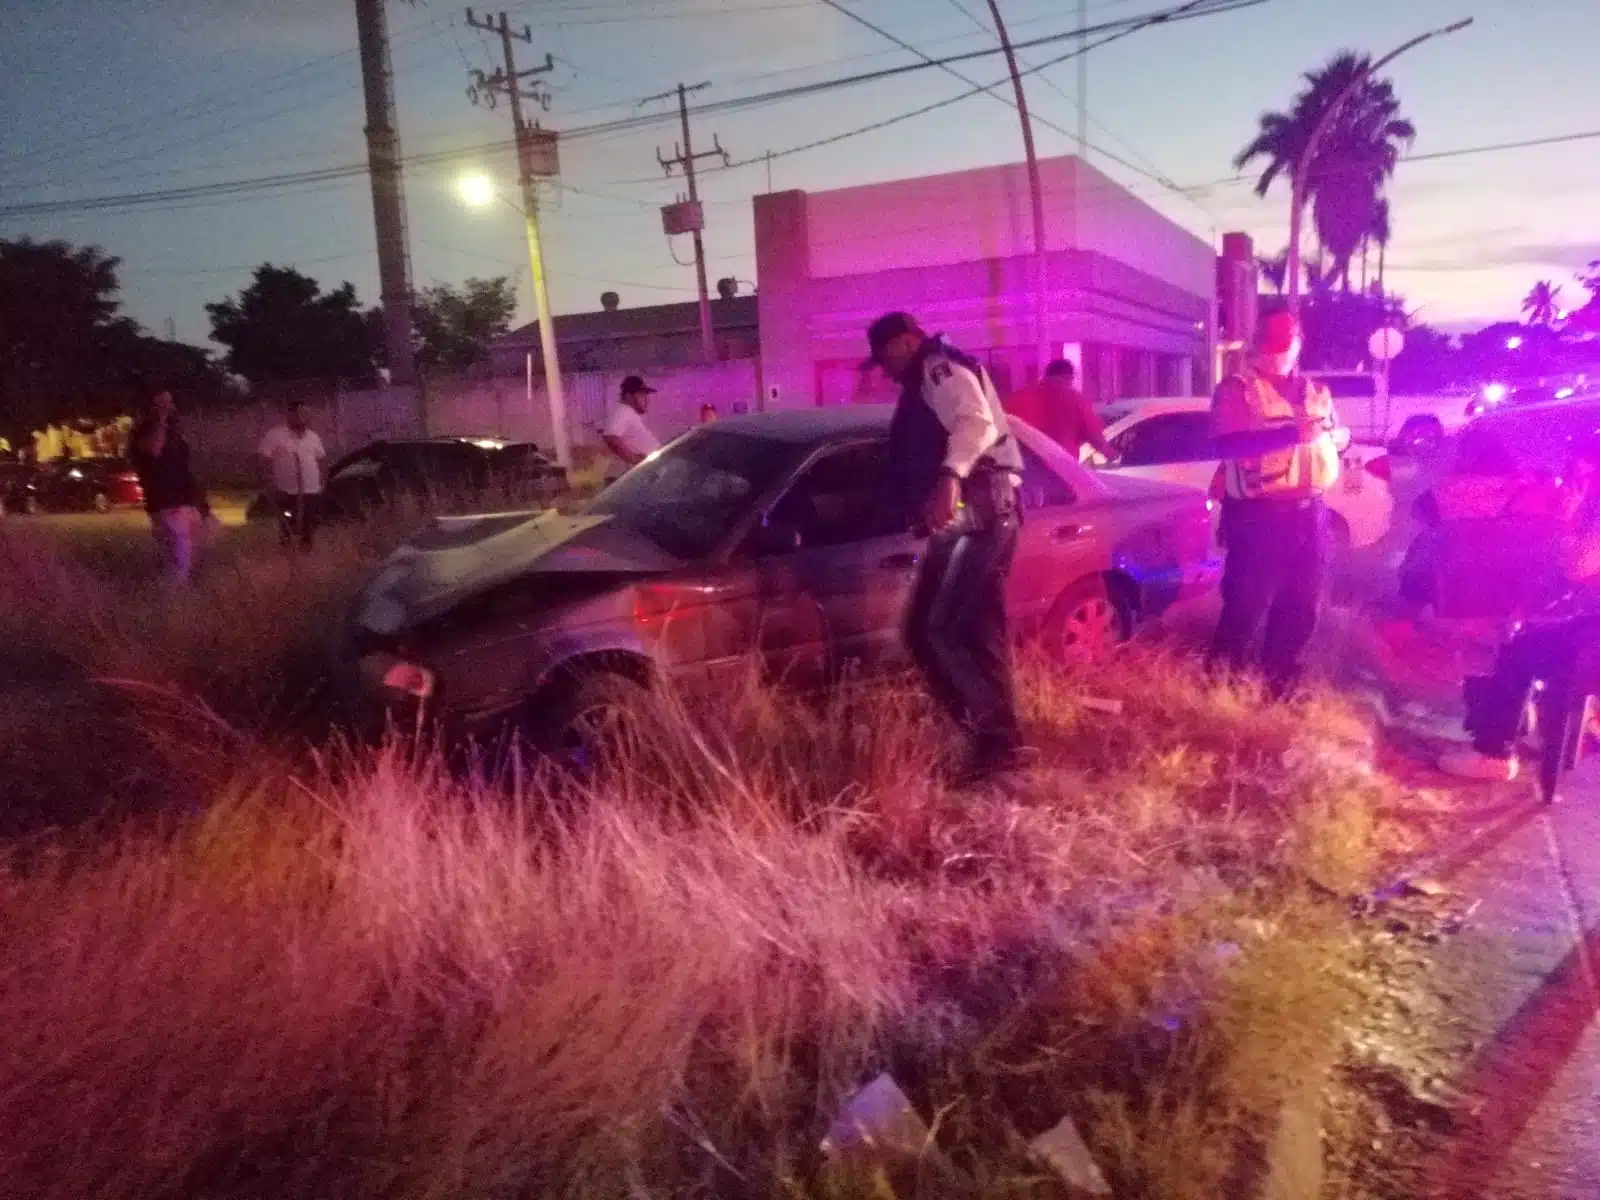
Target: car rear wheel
x=1089, y=620
x=1422, y=435
x=101, y=502
x=32, y=507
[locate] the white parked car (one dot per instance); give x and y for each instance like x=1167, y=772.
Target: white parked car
x=1418, y=422
x=1170, y=441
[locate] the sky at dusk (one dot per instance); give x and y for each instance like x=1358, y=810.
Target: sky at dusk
x=106, y=97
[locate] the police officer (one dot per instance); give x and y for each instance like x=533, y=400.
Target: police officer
x=1274, y=429
x=956, y=470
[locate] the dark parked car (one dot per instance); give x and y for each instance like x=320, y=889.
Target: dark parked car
x=424, y=470
x=764, y=533
x=71, y=485
x=1486, y=544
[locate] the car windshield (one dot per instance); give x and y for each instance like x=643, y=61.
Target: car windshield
x=363, y=466
x=1538, y=438
x=687, y=497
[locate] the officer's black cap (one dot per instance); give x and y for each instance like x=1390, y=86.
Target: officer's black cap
x=884, y=330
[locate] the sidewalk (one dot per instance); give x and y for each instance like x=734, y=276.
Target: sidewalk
x=1511, y=990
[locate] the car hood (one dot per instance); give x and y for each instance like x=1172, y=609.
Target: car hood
x=1132, y=489
x=457, y=558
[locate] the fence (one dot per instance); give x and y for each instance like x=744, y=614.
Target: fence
x=224, y=441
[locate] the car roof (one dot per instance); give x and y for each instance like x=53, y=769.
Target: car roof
x=1538, y=433
x=805, y=426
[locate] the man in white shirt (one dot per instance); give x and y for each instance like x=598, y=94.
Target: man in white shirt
x=292, y=456
x=625, y=434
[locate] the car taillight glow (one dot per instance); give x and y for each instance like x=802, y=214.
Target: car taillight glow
x=1379, y=468
x=409, y=679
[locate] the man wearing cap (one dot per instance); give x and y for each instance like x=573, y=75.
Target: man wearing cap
x=625, y=434
x=954, y=470
x=1274, y=430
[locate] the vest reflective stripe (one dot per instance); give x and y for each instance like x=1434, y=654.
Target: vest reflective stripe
x=1304, y=470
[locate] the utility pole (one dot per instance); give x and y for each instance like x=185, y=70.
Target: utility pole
x=1083, y=81
x=536, y=159
x=388, y=193
x=690, y=217
x=1041, y=302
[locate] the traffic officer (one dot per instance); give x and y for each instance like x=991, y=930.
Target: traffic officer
x=955, y=469
x=1274, y=430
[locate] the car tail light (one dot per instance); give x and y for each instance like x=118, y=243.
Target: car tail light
x=125, y=477
x=409, y=679
x=1219, y=484
x=1379, y=468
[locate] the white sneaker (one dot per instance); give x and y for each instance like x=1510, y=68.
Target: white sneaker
x=1467, y=763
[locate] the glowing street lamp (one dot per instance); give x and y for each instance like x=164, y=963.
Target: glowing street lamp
x=476, y=190
x=1514, y=342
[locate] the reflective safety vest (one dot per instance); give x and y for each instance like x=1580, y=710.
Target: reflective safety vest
x=1304, y=470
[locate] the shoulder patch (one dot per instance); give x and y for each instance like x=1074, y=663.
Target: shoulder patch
x=938, y=372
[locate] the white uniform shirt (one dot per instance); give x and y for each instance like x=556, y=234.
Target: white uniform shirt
x=628, y=427
x=296, y=460
x=967, y=406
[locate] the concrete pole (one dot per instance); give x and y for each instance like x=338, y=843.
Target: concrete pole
x=388, y=194
x=1041, y=298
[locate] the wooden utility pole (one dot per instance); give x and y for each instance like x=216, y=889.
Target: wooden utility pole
x=1041, y=299
x=388, y=193
x=536, y=159
x=690, y=217
x=1083, y=81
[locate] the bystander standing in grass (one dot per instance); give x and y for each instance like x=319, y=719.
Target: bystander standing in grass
x=172, y=494
x=291, y=457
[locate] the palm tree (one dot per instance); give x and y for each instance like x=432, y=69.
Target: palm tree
x=1273, y=268
x=1540, y=305
x=1356, y=158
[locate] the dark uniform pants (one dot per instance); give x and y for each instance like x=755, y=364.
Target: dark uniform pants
x=297, y=517
x=957, y=632
x=1278, y=553
x=1540, y=650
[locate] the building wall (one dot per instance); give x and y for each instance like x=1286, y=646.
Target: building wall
x=1129, y=292
x=225, y=441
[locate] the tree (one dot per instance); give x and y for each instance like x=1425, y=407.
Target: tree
x=1358, y=154
x=65, y=352
x=456, y=325
x=284, y=327
x=1540, y=306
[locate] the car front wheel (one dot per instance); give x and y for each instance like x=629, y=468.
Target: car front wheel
x=590, y=720
x=1089, y=620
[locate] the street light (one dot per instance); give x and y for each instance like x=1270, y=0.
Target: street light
x=1514, y=342
x=476, y=190
x=1297, y=181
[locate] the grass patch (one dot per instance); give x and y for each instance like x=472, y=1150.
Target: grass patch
x=359, y=973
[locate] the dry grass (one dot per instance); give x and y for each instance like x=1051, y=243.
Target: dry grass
x=366, y=976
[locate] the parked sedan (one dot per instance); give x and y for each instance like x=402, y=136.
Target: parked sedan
x=72, y=485
x=1170, y=440
x=425, y=470
x=764, y=534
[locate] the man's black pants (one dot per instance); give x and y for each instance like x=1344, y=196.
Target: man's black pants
x=1278, y=553
x=957, y=632
x=1539, y=650
x=297, y=518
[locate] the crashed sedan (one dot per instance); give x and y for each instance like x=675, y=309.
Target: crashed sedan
x=764, y=535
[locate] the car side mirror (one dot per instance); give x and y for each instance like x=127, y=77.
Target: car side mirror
x=773, y=538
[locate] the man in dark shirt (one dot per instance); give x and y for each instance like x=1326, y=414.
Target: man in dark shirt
x=172, y=496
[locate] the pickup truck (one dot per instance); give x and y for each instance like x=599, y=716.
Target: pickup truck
x=1408, y=422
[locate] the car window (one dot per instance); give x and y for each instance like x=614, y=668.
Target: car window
x=1168, y=438
x=1041, y=487
x=689, y=496
x=1349, y=387
x=841, y=498
x=363, y=466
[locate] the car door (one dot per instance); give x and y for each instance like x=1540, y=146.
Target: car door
x=833, y=565
x=1061, y=541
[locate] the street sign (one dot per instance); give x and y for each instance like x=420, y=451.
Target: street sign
x=1386, y=343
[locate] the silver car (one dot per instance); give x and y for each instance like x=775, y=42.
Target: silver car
x=765, y=534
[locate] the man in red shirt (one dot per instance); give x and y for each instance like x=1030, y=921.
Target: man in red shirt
x=1060, y=411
